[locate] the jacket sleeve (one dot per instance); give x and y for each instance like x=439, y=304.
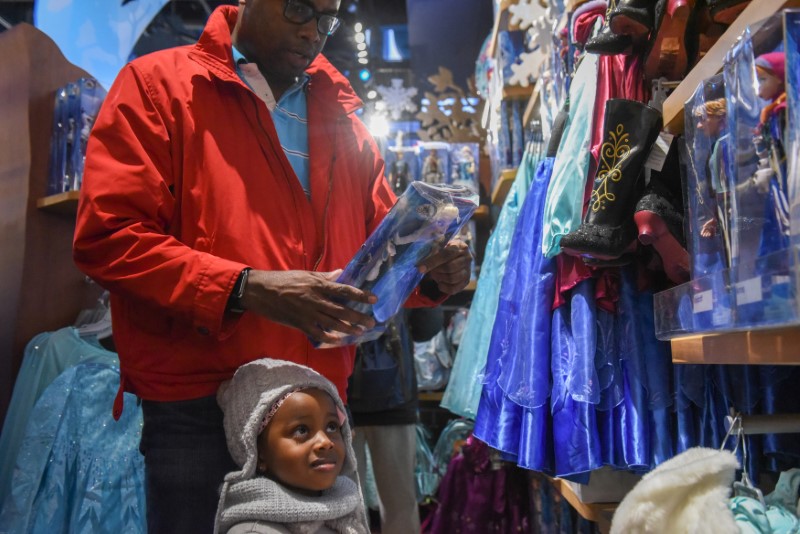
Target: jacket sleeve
x=127, y=210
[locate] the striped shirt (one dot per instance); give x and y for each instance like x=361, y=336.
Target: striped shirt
x=289, y=115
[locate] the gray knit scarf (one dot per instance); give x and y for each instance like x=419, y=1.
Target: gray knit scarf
x=263, y=499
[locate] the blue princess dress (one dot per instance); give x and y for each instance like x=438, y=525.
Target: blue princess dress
x=78, y=470
x=46, y=356
x=516, y=420
x=463, y=389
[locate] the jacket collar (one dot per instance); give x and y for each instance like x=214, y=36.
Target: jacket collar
x=327, y=87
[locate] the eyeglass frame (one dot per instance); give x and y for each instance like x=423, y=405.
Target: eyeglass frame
x=314, y=14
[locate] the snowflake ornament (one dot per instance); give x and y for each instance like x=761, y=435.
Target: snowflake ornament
x=527, y=68
x=398, y=98
x=524, y=13
x=529, y=63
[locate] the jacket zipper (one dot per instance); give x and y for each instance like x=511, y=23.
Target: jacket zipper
x=288, y=180
x=327, y=201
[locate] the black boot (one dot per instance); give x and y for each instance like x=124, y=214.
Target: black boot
x=633, y=17
x=608, y=43
x=608, y=229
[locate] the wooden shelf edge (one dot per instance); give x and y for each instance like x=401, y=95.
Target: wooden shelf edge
x=769, y=346
x=503, y=186
x=481, y=214
x=518, y=91
x=430, y=395
x=711, y=63
x=64, y=203
x=600, y=513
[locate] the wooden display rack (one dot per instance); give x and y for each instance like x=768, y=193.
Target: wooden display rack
x=774, y=346
x=503, y=186
x=600, y=513
x=62, y=203
x=711, y=63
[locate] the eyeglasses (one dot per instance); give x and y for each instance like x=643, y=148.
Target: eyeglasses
x=300, y=13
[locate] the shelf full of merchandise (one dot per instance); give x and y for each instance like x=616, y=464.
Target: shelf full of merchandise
x=779, y=346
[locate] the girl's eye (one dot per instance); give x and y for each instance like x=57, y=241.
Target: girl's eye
x=332, y=427
x=300, y=431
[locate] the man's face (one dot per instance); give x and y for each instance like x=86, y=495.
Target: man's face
x=281, y=48
x=302, y=446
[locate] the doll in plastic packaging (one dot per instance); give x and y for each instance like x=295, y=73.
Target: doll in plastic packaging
x=770, y=178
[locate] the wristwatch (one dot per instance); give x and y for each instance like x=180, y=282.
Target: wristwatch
x=235, y=300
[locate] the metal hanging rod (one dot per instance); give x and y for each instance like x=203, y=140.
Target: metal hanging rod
x=766, y=424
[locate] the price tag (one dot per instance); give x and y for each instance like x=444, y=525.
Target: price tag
x=749, y=291
x=703, y=302
x=658, y=154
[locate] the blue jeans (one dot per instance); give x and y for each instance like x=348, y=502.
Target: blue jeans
x=185, y=460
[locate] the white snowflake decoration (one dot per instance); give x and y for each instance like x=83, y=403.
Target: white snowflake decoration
x=397, y=98
x=524, y=13
x=525, y=71
x=528, y=64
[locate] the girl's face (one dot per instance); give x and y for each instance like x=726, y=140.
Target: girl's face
x=302, y=446
x=769, y=85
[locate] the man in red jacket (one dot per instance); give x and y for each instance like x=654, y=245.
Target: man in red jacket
x=225, y=183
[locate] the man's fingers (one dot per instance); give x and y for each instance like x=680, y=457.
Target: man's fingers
x=347, y=315
x=332, y=324
x=451, y=251
x=346, y=292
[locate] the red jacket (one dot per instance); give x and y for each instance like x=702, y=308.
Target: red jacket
x=186, y=184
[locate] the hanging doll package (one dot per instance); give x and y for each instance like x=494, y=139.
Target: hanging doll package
x=761, y=265
x=791, y=25
x=420, y=223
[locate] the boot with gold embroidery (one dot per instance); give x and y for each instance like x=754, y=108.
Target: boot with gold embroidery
x=608, y=230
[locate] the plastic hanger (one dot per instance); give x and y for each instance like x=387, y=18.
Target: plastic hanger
x=745, y=486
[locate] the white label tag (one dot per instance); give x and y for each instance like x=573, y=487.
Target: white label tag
x=658, y=154
x=780, y=279
x=749, y=291
x=703, y=302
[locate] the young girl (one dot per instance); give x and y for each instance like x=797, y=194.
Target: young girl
x=286, y=428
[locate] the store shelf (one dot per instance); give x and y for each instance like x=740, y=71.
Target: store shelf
x=482, y=213
x=503, y=186
x=530, y=108
x=431, y=396
x=776, y=346
x=711, y=63
x=600, y=513
x=62, y=203
x=517, y=92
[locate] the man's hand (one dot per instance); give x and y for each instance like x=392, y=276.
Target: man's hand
x=450, y=268
x=305, y=300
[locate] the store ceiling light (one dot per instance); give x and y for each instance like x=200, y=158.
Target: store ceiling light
x=358, y=27
x=363, y=53
x=361, y=46
x=372, y=94
x=360, y=37
x=363, y=60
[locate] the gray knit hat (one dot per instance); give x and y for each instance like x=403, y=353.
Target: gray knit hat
x=248, y=396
